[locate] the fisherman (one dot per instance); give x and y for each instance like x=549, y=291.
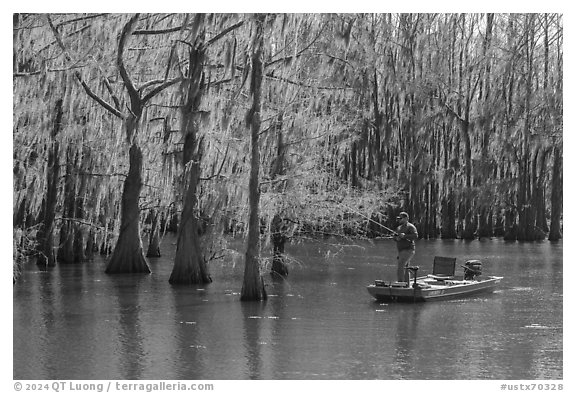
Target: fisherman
x=405, y=237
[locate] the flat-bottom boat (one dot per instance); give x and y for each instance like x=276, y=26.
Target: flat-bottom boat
x=440, y=285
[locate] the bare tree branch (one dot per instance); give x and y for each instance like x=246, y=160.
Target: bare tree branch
x=25, y=74
x=223, y=33
x=80, y=30
x=299, y=53
x=126, y=32
x=58, y=38
x=81, y=19
x=96, y=98
x=162, y=31
x=160, y=88
x=271, y=75
x=82, y=222
x=218, y=174
x=77, y=74
x=114, y=98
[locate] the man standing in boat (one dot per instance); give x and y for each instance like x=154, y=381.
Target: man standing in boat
x=405, y=237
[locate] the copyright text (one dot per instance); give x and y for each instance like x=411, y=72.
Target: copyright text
x=67, y=386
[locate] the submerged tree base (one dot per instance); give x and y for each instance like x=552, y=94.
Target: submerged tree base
x=154, y=247
x=190, y=268
x=189, y=273
x=128, y=260
x=153, y=252
x=256, y=291
x=189, y=278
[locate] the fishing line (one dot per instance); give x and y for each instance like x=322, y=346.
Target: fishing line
x=368, y=218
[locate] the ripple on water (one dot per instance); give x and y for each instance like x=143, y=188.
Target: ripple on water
x=538, y=326
x=520, y=289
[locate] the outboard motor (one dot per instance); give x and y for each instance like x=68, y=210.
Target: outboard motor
x=472, y=269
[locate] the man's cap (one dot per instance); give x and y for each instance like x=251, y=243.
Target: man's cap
x=402, y=215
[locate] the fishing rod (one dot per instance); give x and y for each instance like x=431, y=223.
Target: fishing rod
x=368, y=218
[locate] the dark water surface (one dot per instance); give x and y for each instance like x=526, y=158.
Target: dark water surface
x=75, y=322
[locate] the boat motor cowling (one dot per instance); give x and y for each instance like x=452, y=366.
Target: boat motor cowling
x=472, y=268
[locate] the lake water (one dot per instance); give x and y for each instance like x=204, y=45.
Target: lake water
x=75, y=322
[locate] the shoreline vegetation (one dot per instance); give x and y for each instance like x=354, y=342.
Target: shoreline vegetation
x=128, y=126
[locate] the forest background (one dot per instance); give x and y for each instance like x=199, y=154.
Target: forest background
x=276, y=126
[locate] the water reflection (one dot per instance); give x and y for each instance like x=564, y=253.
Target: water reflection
x=61, y=343
x=75, y=322
x=189, y=347
x=47, y=325
x=130, y=340
x=282, y=352
x=253, y=341
x=406, y=338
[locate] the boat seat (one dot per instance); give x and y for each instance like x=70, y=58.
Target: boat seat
x=444, y=268
x=439, y=278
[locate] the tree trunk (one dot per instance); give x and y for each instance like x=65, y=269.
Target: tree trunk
x=253, y=285
x=510, y=225
x=189, y=264
x=536, y=232
x=526, y=219
x=277, y=229
x=91, y=246
x=485, y=223
x=173, y=223
x=448, y=217
x=128, y=256
x=556, y=197
x=354, y=165
x=540, y=195
x=374, y=142
x=469, y=229
x=19, y=219
x=499, y=225
x=523, y=197
x=79, y=232
x=278, y=240
x=66, y=246
x=46, y=233
x=433, y=210
x=154, y=240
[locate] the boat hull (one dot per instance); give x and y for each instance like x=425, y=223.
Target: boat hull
x=432, y=290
